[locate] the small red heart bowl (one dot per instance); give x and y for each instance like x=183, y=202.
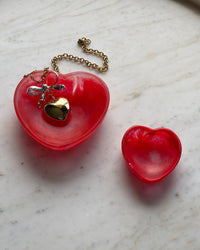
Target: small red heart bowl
x=151, y=154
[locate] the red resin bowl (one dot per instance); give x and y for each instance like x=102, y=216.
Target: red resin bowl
x=151, y=154
x=88, y=97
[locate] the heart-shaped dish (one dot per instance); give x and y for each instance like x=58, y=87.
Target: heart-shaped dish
x=151, y=154
x=88, y=98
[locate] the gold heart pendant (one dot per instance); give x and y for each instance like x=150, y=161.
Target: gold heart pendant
x=58, y=110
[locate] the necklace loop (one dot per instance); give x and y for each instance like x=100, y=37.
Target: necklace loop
x=83, y=43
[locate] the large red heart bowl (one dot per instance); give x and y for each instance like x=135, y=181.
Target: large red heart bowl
x=151, y=154
x=88, y=97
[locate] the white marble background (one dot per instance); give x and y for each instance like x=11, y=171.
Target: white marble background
x=85, y=198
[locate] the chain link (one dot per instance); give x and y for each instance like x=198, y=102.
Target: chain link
x=44, y=75
x=83, y=43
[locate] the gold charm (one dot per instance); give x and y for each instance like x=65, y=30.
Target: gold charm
x=58, y=110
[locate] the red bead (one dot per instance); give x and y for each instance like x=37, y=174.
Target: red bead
x=151, y=154
x=88, y=97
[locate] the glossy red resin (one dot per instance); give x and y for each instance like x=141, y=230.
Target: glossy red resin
x=151, y=154
x=88, y=97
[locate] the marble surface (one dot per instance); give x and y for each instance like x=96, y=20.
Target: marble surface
x=85, y=198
